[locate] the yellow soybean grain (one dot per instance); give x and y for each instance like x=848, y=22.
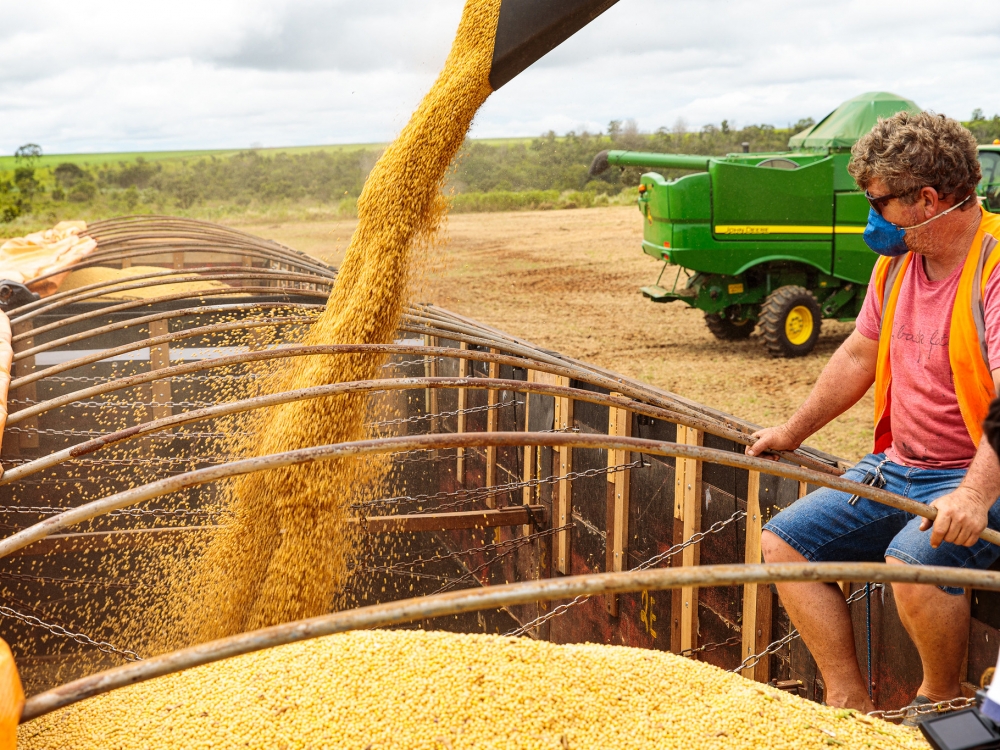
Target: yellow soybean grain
x=377, y=690
x=284, y=553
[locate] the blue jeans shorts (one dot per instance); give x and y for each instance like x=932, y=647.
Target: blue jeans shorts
x=824, y=527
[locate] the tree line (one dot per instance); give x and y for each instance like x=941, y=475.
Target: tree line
x=548, y=171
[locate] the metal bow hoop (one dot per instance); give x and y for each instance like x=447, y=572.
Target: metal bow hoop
x=196, y=478
x=491, y=597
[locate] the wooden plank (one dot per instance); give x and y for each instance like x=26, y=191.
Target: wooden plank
x=27, y=393
x=563, y=510
x=527, y=474
x=431, y=394
x=492, y=420
x=178, y=261
x=803, y=489
x=756, y=597
x=159, y=359
x=691, y=555
x=676, y=595
x=619, y=425
x=463, y=401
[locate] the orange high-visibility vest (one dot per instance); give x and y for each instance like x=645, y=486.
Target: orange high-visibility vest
x=967, y=350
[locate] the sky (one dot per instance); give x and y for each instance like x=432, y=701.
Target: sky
x=130, y=75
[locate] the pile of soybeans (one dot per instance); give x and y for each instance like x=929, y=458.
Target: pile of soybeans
x=378, y=689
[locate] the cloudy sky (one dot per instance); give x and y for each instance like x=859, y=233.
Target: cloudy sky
x=120, y=75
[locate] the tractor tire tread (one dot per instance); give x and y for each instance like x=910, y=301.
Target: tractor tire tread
x=772, y=320
x=724, y=330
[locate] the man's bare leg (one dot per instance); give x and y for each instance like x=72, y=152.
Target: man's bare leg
x=938, y=624
x=820, y=613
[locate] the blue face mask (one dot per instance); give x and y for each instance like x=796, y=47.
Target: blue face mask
x=886, y=238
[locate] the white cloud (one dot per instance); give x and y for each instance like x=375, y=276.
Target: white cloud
x=115, y=75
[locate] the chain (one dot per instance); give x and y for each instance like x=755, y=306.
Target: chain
x=930, y=708
x=695, y=538
x=753, y=659
x=118, y=404
x=98, y=433
x=541, y=620
x=469, y=495
x=67, y=581
x=666, y=555
x=518, y=541
x=513, y=547
x=424, y=361
x=471, y=410
x=45, y=510
x=173, y=378
x=83, y=640
x=689, y=652
x=445, y=454
x=130, y=461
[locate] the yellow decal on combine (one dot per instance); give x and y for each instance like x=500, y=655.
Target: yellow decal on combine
x=785, y=229
x=736, y=289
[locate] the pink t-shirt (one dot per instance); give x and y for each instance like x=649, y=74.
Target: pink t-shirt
x=927, y=426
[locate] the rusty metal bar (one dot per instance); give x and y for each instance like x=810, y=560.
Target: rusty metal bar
x=635, y=393
x=199, y=477
x=168, y=315
x=18, y=473
x=174, y=277
x=91, y=541
x=163, y=339
x=131, y=304
x=495, y=597
x=156, y=277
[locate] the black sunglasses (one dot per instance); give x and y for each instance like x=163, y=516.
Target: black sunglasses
x=879, y=203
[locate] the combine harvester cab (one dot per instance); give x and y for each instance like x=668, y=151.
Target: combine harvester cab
x=773, y=239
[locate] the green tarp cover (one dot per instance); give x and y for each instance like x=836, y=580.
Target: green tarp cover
x=851, y=120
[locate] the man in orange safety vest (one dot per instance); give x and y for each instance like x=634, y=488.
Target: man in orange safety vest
x=928, y=339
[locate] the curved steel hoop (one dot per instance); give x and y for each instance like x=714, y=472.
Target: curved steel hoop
x=198, y=477
x=492, y=597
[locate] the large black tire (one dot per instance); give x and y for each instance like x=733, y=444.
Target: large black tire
x=790, y=321
x=726, y=329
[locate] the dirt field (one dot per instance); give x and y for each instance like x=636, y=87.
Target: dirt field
x=569, y=280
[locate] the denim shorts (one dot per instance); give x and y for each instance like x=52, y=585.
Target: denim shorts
x=824, y=527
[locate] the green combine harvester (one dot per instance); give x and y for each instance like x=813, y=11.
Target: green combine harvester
x=773, y=239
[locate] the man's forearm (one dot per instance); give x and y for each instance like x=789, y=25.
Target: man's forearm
x=845, y=379
x=983, y=477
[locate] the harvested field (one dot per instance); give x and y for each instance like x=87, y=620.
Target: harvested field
x=568, y=280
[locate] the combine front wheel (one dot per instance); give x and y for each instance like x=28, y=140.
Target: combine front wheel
x=789, y=321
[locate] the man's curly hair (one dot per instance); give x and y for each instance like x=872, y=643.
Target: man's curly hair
x=910, y=151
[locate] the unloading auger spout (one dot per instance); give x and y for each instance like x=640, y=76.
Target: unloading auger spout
x=529, y=29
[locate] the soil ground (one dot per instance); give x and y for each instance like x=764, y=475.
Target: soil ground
x=569, y=281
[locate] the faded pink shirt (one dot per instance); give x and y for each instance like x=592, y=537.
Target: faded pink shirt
x=927, y=426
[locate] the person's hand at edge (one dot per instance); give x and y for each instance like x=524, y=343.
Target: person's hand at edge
x=771, y=439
